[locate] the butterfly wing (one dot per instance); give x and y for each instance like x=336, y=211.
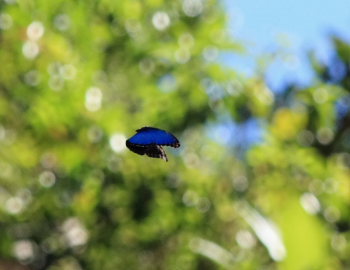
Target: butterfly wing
x=138, y=149
x=156, y=151
x=152, y=150
x=150, y=135
x=149, y=141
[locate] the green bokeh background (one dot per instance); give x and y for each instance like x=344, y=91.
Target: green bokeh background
x=78, y=77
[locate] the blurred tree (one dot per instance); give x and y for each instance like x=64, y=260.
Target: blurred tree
x=78, y=77
x=304, y=163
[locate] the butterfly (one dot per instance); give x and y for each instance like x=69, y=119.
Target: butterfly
x=149, y=141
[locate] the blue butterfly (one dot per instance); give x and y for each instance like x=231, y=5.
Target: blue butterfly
x=149, y=141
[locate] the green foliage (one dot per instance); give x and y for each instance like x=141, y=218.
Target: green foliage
x=78, y=77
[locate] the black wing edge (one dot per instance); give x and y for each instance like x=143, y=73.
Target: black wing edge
x=138, y=149
x=156, y=151
x=151, y=150
x=176, y=144
x=145, y=128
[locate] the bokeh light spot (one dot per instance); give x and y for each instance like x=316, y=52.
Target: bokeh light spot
x=35, y=31
x=245, y=239
x=24, y=250
x=47, y=179
x=74, y=232
x=325, y=135
x=203, y=205
x=338, y=242
x=54, y=69
x=306, y=137
x=331, y=214
x=240, y=183
x=167, y=83
x=134, y=28
x=210, y=53
x=117, y=142
x=5, y=21
x=186, y=40
x=192, y=8
x=25, y=195
x=161, y=20
x=30, y=49
x=93, y=99
x=234, y=88
x=62, y=22
x=190, y=198
x=32, y=78
x=68, y=71
x=48, y=160
x=14, y=205
x=320, y=95
x=310, y=203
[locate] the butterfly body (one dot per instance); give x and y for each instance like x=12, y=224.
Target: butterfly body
x=149, y=141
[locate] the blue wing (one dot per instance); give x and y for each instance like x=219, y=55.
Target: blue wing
x=150, y=135
x=149, y=141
